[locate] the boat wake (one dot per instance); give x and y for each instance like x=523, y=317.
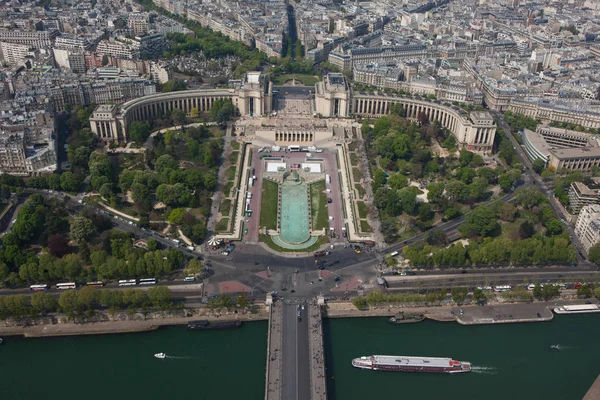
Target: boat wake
x=179, y=358
x=484, y=370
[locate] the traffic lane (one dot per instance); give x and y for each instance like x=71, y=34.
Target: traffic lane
x=304, y=388
x=289, y=355
x=250, y=255
x=490, y=281
x=495, y=270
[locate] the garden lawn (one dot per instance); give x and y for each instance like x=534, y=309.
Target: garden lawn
x=362, y=209
x=307, y=80
x=225, y=207
x=318, y=205
x=268, y=206
x=222, y=225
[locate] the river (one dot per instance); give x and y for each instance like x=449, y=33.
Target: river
x=227, y=364
x=510, y=360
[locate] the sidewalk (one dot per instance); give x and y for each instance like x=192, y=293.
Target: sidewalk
x=318, y=382
x=274, y=342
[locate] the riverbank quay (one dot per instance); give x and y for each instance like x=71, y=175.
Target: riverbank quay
x=594, y=392
x=135, y=323
x=496, y=313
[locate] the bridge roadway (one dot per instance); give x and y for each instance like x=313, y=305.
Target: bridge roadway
x=295, y=357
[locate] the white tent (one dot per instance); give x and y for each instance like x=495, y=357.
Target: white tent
x=214, y=242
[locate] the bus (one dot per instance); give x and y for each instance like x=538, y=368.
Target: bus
x=64, y=286
x=148, y=281
x=394, y=254
x=127, y=282
x=97, y=283
x=293, y=148
x=504, y=288
x=39, y=287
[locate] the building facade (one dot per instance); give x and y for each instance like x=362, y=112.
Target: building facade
x=562, y=149
x=252, y=96
x=547, y=111
x=587, y=227
x=580, y=196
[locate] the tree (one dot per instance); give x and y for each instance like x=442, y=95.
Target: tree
x=457, y=191
x=138, y=131
x=554, y=227
x=70, y=182
x=379, y=178
x=465, y=157
x=526, y=230
x=69, y=302
x=408, y=198
x=165, y=162
x=538, y=291
x=507, y=212
x=173, y=85
x=160, y=296
x=222, y=110
x=176, y=216
x=482, y=220
x=194, y=267
x=43, y=302
x=488, y=174
x=594, y=254
x=584, y=291
x=425, y=213
x=242, y=300
x=389, y=229
x=478, y=295
x=422, y=118
x=397, y=181
x=435, y=192
x=360, y=302
x=58, y=245
x=178, y=116
x=459, y=295
x=538, y=165
x=435, y=237
x=81, y=229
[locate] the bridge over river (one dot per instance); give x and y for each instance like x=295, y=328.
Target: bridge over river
x=295, y=358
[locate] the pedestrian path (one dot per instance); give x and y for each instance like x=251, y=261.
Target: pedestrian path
x=317, y=355
x=274, y=339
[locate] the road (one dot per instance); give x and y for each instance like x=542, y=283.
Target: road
x=295, y=357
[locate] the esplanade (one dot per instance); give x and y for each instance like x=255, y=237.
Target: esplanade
x=332, y=98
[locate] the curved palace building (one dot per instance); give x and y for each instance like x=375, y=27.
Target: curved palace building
x=332, y=97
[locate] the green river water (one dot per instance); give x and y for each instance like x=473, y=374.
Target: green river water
x=511, y=362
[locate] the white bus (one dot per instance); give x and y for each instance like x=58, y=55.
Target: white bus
x=148, y=281
x=64, y=286
x=127, y=282
x=293, y=148
x=39, y=287
x=504, y=288
x=394, y=254
x=96, y=283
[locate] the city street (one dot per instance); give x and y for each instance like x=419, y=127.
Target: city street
x=295, y=355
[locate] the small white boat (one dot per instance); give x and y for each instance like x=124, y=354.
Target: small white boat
x=555, y=346
x=160, y=355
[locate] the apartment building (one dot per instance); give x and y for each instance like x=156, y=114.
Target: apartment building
x=580, y=195
x=14, y=54
x=35, y=39
x=587, y=227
